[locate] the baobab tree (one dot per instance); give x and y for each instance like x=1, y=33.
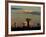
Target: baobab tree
x=28, y=20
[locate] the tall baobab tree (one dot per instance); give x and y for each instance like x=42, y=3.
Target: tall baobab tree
x=28, y=20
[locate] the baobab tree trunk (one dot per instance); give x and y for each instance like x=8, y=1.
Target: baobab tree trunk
x=28, y=24
x=28, y=20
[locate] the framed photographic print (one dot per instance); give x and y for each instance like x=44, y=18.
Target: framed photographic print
x=25, y=18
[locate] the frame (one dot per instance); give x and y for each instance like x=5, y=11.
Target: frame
x=20, y=7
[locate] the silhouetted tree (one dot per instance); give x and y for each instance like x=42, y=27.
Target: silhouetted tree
x=15, y=24
x=23, y=24
x=38, y=24
x=28, y=19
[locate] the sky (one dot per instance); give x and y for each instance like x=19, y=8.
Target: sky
x=22, y=17
x=33, y=8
